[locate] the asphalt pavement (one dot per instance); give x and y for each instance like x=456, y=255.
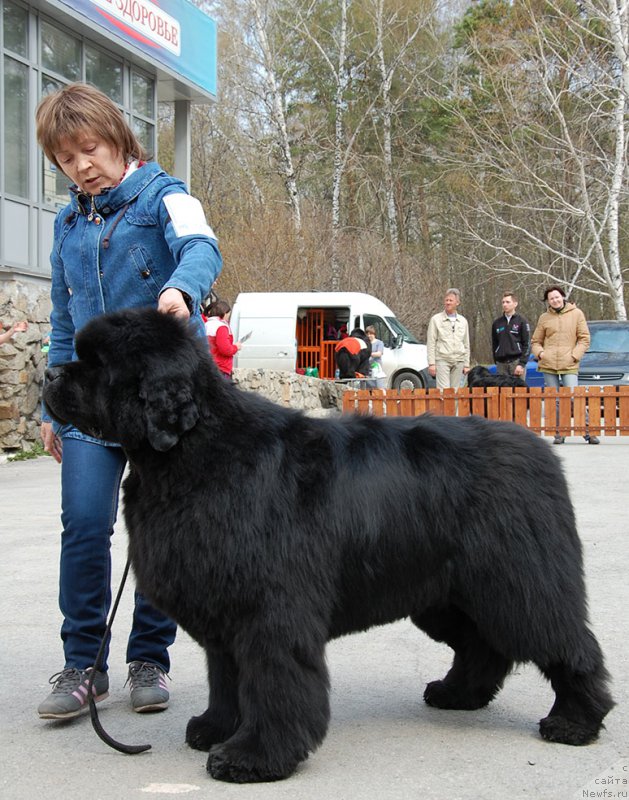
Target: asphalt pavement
x=383, y=741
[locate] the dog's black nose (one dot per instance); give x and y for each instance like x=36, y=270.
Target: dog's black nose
x=52, y=373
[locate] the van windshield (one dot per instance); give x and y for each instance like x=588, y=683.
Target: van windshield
x=397, y=326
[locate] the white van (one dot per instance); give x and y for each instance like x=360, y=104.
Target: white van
x=299, y=331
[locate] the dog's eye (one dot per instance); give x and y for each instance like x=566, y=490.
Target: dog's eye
x=92, y=359
x=87, y=354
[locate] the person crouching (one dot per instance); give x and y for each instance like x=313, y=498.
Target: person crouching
x=352, y=355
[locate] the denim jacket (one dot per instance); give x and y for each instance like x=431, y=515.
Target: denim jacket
x=120, y=250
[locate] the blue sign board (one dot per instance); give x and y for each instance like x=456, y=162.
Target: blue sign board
x=172, y=32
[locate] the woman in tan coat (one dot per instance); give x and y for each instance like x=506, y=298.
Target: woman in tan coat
x=559, y=342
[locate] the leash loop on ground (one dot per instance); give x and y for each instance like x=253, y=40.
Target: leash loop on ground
x=128, y=749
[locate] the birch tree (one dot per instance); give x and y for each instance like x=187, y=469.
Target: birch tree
x=253, y=59
x=274, y=102
x=395, y=33
x=544, y=139
x=333, y=40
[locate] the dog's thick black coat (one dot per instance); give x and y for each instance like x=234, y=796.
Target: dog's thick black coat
x=481, y=376
x=258, y=530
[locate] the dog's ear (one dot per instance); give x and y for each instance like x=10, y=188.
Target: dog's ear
x=169, y=408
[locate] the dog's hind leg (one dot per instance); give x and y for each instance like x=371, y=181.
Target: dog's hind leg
x=581, y=696
x=284, y=706
x=478, y=671
x=222, y=718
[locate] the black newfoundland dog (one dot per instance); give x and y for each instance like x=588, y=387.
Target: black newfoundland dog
x=258, y=530
x=481, y=376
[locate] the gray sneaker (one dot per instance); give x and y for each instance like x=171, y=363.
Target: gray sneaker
x=148, y=687
x=69, y=696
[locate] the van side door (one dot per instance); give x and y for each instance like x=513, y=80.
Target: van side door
x=271, y=345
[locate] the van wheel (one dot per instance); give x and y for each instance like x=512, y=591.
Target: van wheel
x=408, y=380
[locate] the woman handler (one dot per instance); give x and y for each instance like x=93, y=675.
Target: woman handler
x=130, y=236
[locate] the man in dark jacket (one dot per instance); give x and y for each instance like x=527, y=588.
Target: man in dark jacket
x=510, y=339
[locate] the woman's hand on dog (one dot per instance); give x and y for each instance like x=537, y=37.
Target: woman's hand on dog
x=52, y=443
x=172, y=301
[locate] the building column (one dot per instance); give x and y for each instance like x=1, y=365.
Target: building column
x=182, y=141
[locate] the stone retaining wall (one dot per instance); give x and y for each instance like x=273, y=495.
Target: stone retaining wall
x=22, y=363
x=292, y=390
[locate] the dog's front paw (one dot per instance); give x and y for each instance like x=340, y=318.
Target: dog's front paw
x=565, y=731
x=238, y=765
x=204, y=731
x=441, y=694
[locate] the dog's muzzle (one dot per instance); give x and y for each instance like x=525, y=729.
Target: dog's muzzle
x=52, y=373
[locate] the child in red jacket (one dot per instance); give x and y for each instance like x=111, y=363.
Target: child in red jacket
x=220, y=337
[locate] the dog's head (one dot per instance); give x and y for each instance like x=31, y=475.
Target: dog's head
x=133, y=381
x=478, y=376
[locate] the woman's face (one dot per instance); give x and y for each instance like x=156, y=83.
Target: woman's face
x=90, y=162
x=371, y=335
x=555, y=299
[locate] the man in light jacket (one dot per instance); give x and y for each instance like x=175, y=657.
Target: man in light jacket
x=449, y=343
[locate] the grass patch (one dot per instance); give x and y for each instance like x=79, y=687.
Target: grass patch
x=36, y=451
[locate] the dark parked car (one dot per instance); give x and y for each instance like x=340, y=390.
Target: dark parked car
x=533, y=376
x=606, y=363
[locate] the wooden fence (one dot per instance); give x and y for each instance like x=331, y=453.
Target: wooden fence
x=598, y=410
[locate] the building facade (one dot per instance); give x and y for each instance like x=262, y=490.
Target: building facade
x=138, y=53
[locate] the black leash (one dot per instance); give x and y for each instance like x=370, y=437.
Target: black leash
x=129, y=749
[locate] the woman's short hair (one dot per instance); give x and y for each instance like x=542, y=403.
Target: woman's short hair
x=554, y=289
x=455, y=292
x=80, y=108
x=370, y=329
x=218, y=309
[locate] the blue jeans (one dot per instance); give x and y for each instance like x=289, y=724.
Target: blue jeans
x=90, y=483
x=555, y=381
